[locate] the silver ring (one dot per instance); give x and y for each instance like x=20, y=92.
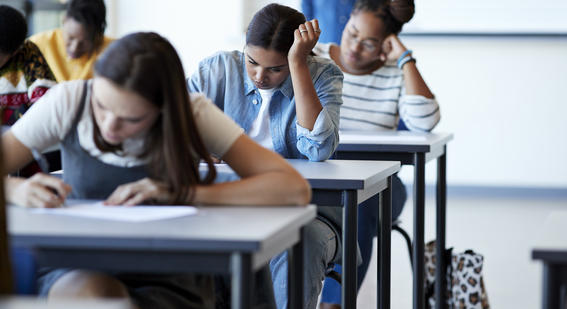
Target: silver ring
x=301, y=31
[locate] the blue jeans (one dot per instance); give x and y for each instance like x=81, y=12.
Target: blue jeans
x=367, y=215
x=320, y=251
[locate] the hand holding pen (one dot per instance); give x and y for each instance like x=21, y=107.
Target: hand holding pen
x=40, y=190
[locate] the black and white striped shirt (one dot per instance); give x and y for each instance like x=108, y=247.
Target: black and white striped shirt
x=377, y=101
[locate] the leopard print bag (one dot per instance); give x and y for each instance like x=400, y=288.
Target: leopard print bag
x=465, y=286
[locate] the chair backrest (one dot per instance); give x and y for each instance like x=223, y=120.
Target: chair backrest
x=402, y=126
x=5, y=268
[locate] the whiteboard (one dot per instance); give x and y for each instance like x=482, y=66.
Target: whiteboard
x=488, y=16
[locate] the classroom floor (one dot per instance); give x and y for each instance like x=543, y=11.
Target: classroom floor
x=502, y=229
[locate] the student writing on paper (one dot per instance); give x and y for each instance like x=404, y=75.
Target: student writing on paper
x=381, y=86
x=287, y=101
x=284, y=98
x=133, y=134
x=71, y=50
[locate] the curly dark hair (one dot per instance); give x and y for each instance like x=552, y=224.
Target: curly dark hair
x=92, y=15
x=394, y=13
x=13, y=29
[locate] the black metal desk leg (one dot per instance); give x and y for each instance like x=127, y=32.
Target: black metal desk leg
x=551, y=286
x=418, y=231
x=441, y=270
x=384, y=247
x=295, y=274
x=242, y=280
x=350, y=240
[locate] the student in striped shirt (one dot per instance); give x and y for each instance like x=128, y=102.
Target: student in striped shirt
x=381, y=86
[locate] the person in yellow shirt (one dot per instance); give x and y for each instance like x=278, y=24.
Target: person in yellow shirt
x=72, y=50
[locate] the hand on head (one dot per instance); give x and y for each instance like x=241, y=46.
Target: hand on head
x=305, y=38
x=392, y=48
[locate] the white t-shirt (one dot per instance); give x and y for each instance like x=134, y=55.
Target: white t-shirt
x=260, y=130
x=48, y=121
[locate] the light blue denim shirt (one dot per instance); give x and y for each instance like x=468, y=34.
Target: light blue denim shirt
x=223, y=78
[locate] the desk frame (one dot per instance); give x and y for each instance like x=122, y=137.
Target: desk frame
x=347, y=190
x=350, y=200
x=554, y=277
x=418, y=157
x=239, y=259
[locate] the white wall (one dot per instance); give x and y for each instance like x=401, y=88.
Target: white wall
x=196, y=28
x=501, y=97
x=502, y=16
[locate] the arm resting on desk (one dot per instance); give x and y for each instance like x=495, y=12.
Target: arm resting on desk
x=267, y=179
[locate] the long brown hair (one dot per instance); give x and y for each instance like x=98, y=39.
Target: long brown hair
x=5, y=269
x=147, y=64
x=394, y=13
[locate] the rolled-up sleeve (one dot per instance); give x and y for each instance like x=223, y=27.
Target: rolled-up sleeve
x=320, y=143
x=419, y=113
x=49, y=120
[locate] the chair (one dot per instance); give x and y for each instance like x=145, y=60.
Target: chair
x=5, y=269
x=395, y=227
x=17, y=276
x=24, y=271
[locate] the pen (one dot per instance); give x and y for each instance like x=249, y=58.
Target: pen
x=43, y=165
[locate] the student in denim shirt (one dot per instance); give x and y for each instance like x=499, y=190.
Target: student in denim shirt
x=304, y=109
x=288, y=101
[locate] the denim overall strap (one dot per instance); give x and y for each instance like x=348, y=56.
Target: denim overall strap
x=89, y=177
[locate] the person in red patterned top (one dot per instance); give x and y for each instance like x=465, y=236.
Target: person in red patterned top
x=24, y=73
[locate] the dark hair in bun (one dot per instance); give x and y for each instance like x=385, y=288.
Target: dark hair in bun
x=273, y=26
x=394, y=13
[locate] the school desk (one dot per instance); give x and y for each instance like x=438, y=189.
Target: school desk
x=346, y=184
x=415, y=149
x=551, y=249
x=230, y=240
x=35, y=303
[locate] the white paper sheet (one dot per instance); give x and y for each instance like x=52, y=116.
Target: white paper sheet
x=140, y=213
